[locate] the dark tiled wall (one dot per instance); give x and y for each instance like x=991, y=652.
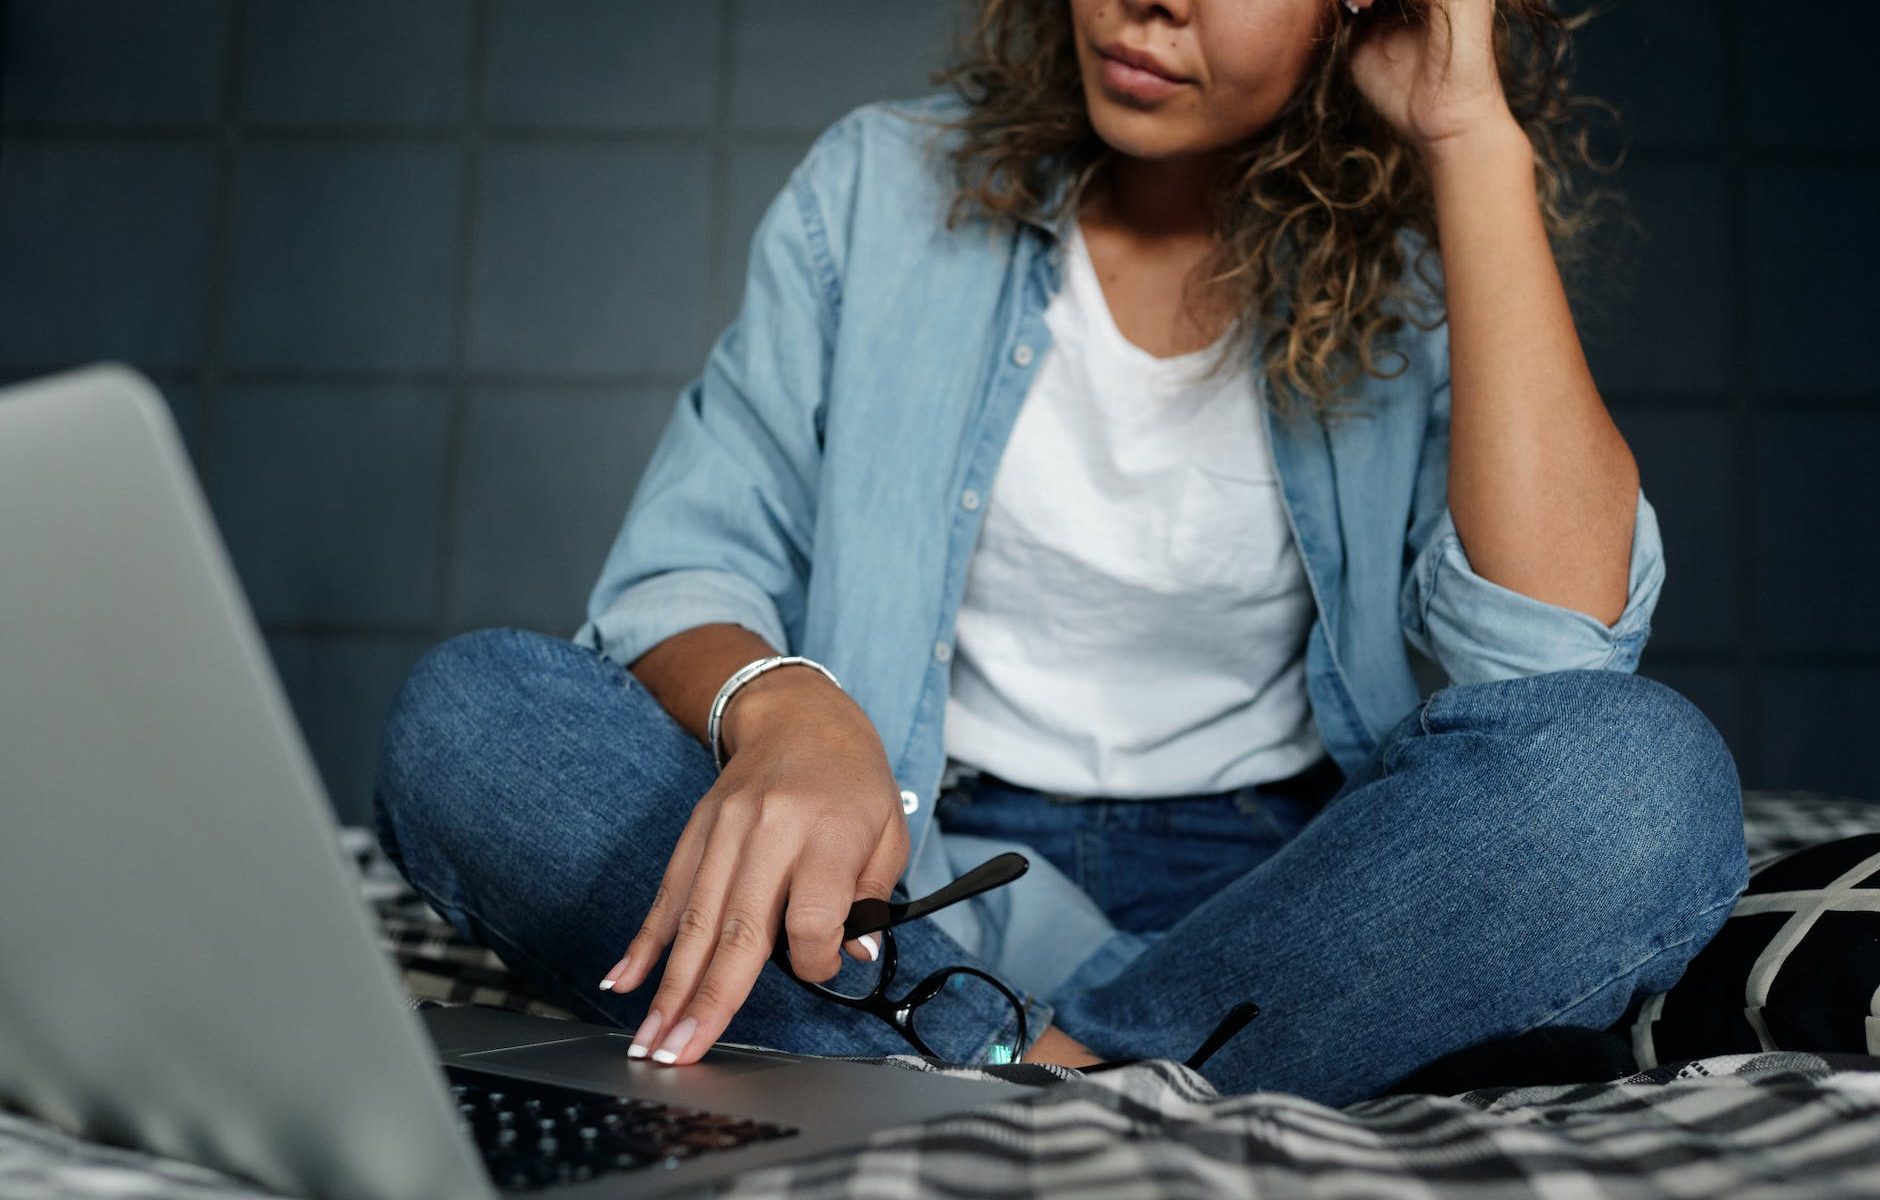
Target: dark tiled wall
x=1742, y=365
x=422, y=280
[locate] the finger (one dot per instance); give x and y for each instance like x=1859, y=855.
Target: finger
x=886, y=862
x=822, y=890
x=747, y=935
x=878, y=877
x=700, y=915
x=662, y=918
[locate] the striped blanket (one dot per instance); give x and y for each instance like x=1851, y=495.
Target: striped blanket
x=1776, y=1123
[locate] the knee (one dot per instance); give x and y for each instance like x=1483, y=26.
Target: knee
x=446, y=713
x=1689, y=787
x=1647, y=778
x=440, y=704
x=497, y=731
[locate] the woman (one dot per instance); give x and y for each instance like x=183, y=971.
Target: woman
x=1063, y=590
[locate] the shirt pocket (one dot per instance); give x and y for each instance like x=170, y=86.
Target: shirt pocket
x=1230, y=535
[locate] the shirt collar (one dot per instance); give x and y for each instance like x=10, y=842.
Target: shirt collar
x=1058, y=227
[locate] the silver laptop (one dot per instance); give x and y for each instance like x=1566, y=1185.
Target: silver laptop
x=186, y=963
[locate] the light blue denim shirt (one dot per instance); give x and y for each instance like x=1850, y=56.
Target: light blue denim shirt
x=821, y=482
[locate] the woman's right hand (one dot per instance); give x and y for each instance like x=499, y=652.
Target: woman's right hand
x=804, y=820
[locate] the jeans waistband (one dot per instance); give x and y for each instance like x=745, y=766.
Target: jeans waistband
x=1313, y=785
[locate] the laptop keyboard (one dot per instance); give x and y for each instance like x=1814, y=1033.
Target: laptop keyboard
x=533, y=1135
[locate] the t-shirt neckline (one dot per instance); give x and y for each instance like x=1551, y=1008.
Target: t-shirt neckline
x=1105, y=321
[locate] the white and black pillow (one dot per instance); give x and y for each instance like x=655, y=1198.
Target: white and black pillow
x=1796, y=966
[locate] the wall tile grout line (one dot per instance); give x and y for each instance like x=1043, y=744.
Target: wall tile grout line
x=1752, y=759
x=724, y=51
x=458, y=417
x=626, y=136
x=213, y=380
x=493, y=134
x=1693, y=656
x=374, y=377
x=321, y=629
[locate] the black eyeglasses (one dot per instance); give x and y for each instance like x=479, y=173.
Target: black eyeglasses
x=871, y=915
x=968, y=984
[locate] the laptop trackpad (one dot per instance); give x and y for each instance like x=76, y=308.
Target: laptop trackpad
x=602, y=1059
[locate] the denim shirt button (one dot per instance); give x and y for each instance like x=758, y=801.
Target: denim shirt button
x=910, y=802
x=1021, y=354
x=942, y=653
x=969, y=500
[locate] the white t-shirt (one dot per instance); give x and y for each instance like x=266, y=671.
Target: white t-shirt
x=1135, y=613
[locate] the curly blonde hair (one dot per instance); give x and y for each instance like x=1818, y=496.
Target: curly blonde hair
x=1312, y=218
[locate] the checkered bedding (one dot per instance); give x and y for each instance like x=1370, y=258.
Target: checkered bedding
x=1777, y=1124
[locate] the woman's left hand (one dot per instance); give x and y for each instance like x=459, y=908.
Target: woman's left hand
x=1433, y=82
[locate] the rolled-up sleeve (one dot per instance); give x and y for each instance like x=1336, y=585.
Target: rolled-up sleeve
x=1477, y=630
x=719, y=527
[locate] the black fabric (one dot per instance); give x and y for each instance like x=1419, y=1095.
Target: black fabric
x=1705, y=1006
x=1796, y=967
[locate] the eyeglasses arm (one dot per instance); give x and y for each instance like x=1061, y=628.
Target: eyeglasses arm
x=1231, y=1024
x=869, y=914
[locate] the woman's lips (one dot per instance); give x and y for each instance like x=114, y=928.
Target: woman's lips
x=1134, y=81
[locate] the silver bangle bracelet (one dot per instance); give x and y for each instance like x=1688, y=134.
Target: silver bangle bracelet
x=739, y=678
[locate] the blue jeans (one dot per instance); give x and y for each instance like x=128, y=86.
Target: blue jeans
x=1520, y=853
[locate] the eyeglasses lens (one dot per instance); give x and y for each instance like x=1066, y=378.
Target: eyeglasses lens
x=857, y=979
x=965, y=1002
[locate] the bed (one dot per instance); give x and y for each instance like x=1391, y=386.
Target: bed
x=1742, y=1121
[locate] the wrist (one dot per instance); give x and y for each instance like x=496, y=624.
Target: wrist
x=769, y=699
x=1491, y=142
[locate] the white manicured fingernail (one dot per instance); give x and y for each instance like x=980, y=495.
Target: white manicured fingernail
x=868, y=943
x=649, y=1029
x=618, y=973
x=676, y=1040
